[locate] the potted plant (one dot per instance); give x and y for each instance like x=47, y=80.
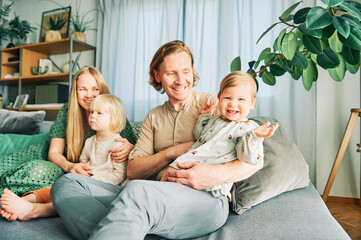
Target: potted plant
x=19, y=29
x=313, y=36
x=80, y=24
x=4, y=12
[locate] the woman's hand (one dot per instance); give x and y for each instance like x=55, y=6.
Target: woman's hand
x=120, y=154
x=80, y=168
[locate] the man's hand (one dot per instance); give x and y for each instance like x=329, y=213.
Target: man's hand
x=177, y=150
x=208, y=108
x=80, y=168
x=193, y=174
x=120, y=154
x=264, y=131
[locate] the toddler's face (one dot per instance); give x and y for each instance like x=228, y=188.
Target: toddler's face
x=236, y=102
x=99, y=120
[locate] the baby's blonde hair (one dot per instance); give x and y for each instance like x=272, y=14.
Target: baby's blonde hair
x=114, y=107
x=237, y=78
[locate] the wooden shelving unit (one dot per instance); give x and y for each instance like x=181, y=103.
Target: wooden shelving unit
x=29, y=56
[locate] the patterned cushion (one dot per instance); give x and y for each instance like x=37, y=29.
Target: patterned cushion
x=136, y=128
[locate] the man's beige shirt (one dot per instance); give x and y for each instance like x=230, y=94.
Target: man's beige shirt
x=164, y=127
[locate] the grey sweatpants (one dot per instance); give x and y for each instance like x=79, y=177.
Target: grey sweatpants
x=93, y=209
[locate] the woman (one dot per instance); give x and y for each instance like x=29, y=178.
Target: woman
x=69, y=131
x=167, y=209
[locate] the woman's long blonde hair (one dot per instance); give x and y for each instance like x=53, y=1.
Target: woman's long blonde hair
x=77, y=118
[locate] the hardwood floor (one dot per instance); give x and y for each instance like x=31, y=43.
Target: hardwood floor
x=348, y=214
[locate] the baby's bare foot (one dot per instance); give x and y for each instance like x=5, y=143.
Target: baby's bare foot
x=15, y=207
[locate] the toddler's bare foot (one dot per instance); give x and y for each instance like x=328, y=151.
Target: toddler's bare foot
x=15, y=207
x=8, y=216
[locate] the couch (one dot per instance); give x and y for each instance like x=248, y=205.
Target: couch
x=278, y=202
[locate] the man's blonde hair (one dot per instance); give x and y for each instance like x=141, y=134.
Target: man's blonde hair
x=78, y=124
x=166, y=49
x=114, y=107
x=237, y=78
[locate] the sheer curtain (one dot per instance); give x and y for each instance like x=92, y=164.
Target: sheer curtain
x=216, y=31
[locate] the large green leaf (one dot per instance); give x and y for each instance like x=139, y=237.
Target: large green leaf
x=352, y=20
x=289, y=45
x=330, y=3
x=352, y=68
x=270, y=58
x=277, y=70
x=315, y=33
x=350, y=55
x=338, y=73
x=272, y=26
x=309, y=75
x=288, y=11
x=318, y=18
x=268, y=78
x=353, y=40
x=236, y=64
x=342, y=26
x=351, y=9
x=328, y=59
x=296, y=73
x=312, y=44
x=265, y=52
x=280, y=38
x=335, y=43
x=299, y=60
x=328, y=31
x=300, y=15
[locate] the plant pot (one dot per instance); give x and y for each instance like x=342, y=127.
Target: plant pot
x=52, y=35
x=79, y=35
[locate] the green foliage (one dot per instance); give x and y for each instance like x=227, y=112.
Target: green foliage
x=313, y=36
x=19, y=28
x=79, y=21
x=4, y=12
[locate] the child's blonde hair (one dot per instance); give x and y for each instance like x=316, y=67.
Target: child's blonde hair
x=114, y=107
x=237, y=78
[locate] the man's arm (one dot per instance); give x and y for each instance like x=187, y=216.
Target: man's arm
x=203, y=176
x=148, y=166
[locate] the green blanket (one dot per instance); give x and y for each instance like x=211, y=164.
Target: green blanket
x=10, y=143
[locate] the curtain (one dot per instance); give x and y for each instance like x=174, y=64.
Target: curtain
x=130, y=31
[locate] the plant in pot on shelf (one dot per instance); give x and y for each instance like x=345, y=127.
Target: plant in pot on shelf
x=18, y=30
x=329, y=37
x=53, y=29
x=80, y=24
x=4, y=13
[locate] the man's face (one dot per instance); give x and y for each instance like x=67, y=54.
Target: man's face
x=176, y=76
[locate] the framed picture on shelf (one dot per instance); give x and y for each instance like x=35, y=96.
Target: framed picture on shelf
x=21, y=100
x=56, y=20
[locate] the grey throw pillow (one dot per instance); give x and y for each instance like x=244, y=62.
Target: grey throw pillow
x=20, y=122
x=284, y=170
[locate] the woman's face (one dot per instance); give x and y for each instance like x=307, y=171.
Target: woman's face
x=87, y=89
x=176, y=76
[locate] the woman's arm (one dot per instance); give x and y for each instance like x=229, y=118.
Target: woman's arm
x=56, y=156
x=203, y=176
x=148, y=166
